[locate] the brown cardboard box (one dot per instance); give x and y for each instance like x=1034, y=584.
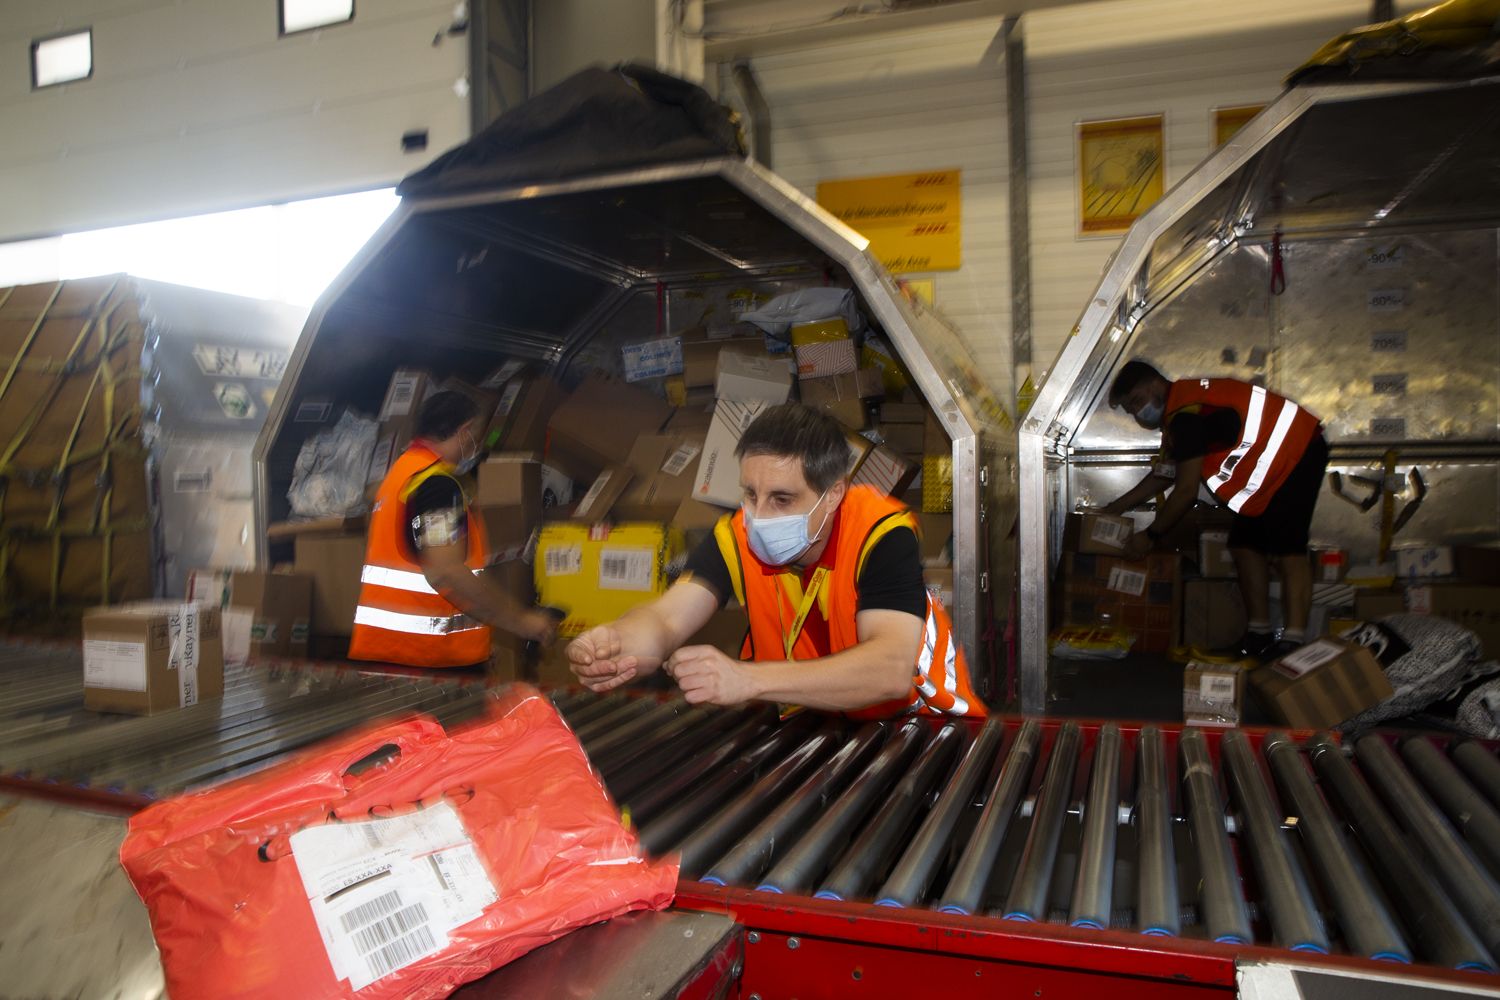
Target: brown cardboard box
x=1214, y=560
x=152, y=657
x=700, y=358
x=334, y=562
x=1321, y=685
x=904, y=439
x=718, y=478
x=1099, y=534
x=936, y=539
x=694, y=515
x=1373, y=605
x=885, y=470
x=1212, y=694
x=554, y=669
x=725, y=631
x=940, y=583
x=863, y=383
x=510, y=479
x=508, y=661
x=695, y=420
x=935, y=440
x=1140, y=597
x=748, y=379
x=1474, y=607
x=664, y=467
x=823, y=359
x=526, y=405
x=597, y=502
x=1213, y=613
x=404, y=396
x=903, y=413
x=1477, y=563
x=283, y=531
x=595, y=427
x=263, y=614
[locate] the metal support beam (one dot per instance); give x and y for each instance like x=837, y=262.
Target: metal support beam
x=499, y=59
x=758, y=110
x=1020, y=200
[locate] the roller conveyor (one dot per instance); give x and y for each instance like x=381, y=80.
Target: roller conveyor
x=1192, y=848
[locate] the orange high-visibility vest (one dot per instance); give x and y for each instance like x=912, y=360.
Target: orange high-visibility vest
x=777, y=606
x=1274, y=433
x=401, y=618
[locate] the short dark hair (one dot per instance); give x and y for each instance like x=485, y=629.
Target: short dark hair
x=792, y=430
x=1132, y=374
x=443, y=413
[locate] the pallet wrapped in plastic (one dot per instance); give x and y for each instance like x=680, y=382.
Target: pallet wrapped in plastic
x=407, y=878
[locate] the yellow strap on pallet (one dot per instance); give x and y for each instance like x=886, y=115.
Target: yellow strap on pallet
x=15, y=362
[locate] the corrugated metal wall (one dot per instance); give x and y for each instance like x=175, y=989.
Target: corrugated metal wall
x=197, y=105
x=936, y=98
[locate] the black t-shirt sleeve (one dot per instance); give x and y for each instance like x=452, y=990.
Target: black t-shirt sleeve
x=1193, y=435
x=435, y=513
x=706, y=565
x=892, y=577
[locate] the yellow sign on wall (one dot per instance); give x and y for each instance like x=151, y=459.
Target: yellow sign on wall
x=1119, y=172
x=911, y=220
x=1228, y=121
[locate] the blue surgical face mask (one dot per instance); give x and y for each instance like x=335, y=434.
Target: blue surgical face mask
x=1149, y=416
x=776, y=541
x=467, y=463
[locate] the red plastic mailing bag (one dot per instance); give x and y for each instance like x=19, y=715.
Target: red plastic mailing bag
x=462, y=852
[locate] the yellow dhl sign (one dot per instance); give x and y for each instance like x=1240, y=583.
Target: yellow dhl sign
x=911, y=220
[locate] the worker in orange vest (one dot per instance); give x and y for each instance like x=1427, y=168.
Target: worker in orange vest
x=1262, y=455
x=830, y=575
x=422, y=600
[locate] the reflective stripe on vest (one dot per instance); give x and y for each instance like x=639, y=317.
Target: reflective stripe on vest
x=399, y=579
x=395, y=621
x=1273, y=448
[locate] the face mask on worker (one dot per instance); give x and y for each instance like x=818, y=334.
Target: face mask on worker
x=471, y=455
x=1149, y=416
x=776, y=541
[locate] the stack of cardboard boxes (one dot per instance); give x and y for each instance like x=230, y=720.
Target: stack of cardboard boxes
x=1099, y=586
x=1457, y=582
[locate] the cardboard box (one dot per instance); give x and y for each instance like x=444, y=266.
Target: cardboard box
x=904, y=439
x=554, y=669
x=486, y=401
x=526, y=405
x=700, y=358
x=1212, y=694
x=599, y=499
x=885, y=470
x=1321, y=684
x=936, y=539
x=725, y=631
x=285, y=531
x=508, y=652
x=404, y=396
x=1140, y=597
x=694, y=420
x=1473, y=606
x=1423, y=561
x=940, y=584
x=748, y=379
x=826, y=358
x=263, y=614
x=1477, y=563
x=510, y=479
x=903, y=413
x=694, y=516
x=863, y=383
x=152, y=657
x=1100, y=534
x=664, y=466
x=1373, y=605
x=1213, y=613
x=718, y=477
x=597, y=574
x=653, y=359
x=595, y=427
x=824, y=331
x=334, y=562
x=1214, y=559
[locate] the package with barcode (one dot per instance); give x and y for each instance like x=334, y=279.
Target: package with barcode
x=1212, y=693
x=440, y=857
x=596, y=573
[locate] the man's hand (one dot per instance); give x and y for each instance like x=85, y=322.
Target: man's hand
x=1115, y=509
x=536, y=625
x=1138, y=545
x=707, y=676
x=598, y=660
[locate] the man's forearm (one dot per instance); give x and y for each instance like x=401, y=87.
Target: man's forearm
x=1145, y=489
x=477, y=598
x=863, y=675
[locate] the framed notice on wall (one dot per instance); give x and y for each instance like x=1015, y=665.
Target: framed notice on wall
x=1228, y=121
x=911, y=220
x=1120, y=172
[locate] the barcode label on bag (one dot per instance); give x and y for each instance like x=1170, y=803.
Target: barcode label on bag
x=625, y=569
x=1126, y=581
x=389, y=892
x=677, y=462
x=562, y=560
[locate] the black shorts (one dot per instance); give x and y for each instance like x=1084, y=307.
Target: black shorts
x=1281, y=529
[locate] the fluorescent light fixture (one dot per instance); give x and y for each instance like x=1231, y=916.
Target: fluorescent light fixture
x=62, y=58
x=304, y=15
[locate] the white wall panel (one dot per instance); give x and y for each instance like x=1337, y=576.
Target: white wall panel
x=198, y=105
x=900, y=104
x=1122, y=58
x=570, y=35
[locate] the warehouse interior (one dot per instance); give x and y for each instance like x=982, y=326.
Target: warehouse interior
x=386, y=581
